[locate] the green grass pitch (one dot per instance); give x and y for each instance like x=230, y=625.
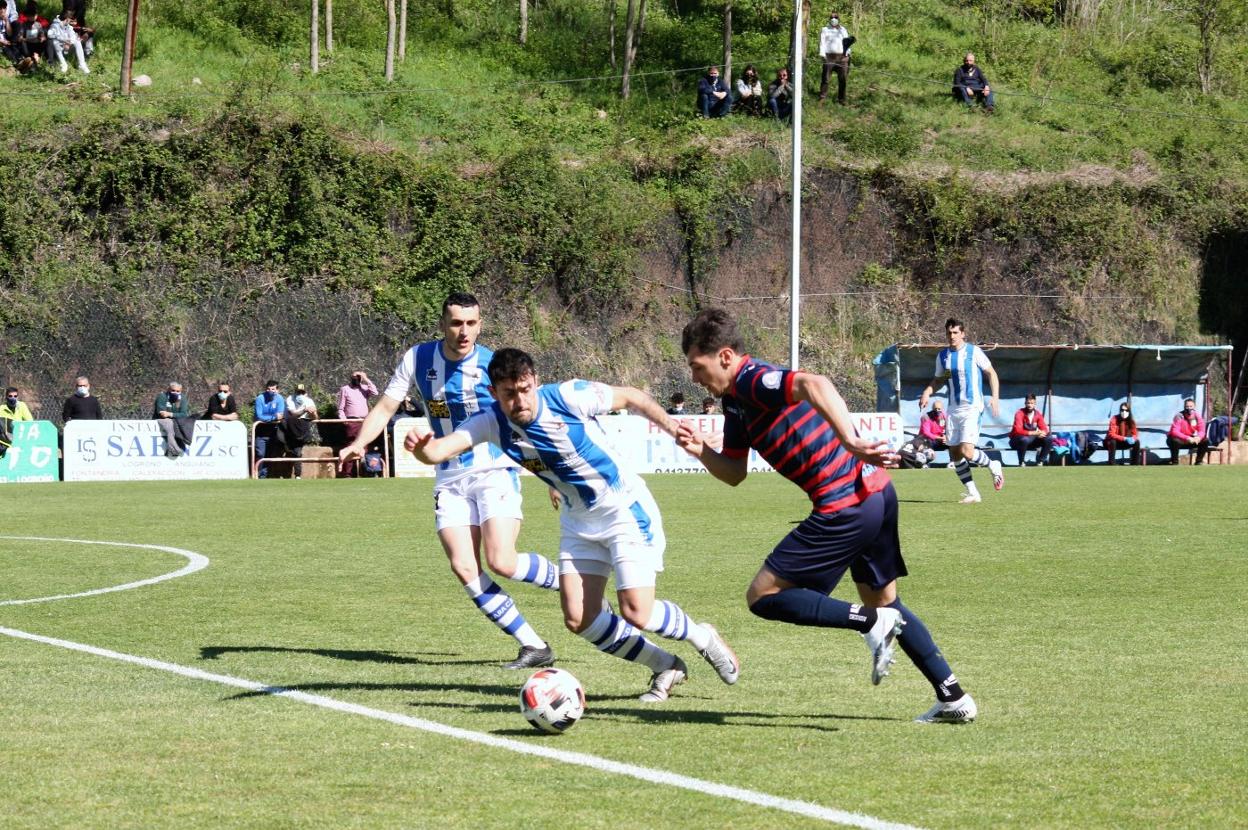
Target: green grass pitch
x=1097, y=615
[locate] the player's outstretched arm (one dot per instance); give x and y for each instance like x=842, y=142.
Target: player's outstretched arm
x=374, y=423
x=638, y=402
x=725, y=468
x=930, y=390
x=820, y=393
x=436, y=450
x=994, y=384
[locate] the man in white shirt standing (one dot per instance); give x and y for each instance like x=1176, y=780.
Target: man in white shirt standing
x=965, y=365
x=835, y=53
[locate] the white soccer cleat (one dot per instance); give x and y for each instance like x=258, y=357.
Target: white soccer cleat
x=662, y=682
x=880, y=641
x=998, y=475
x=962, y=710
x=722, y=658
x=971, y=498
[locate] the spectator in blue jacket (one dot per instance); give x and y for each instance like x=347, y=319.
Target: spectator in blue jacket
x=270, y=408
x=714, y=99
x=970, y=85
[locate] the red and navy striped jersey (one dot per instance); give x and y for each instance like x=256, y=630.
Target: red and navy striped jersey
x=794, y=438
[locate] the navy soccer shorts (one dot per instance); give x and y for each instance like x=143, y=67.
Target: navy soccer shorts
x=863, y=539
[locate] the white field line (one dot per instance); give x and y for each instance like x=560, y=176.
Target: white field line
x=194, y=562
x=654, y=776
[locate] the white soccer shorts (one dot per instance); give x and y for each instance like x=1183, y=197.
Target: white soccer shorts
x=622, y=535
x=963, y=426
x=472, y=500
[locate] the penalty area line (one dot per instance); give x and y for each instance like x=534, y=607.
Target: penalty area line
x=580, y=759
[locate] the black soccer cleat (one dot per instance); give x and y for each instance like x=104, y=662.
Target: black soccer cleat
x=532, y=658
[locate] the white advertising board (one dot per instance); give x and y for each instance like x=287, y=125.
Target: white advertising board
x=135, y=451
x=650, y=450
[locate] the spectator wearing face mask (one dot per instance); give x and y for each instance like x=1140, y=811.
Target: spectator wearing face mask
x=82, y=405
x=169, y=407
x=221, y=406
x=714, y=97
x=13, y=409
x=300, y=413
x=353, y=400
x=749, y=93
x=270, y=409
x=780, y=95
x=834, y=45
x=1123, y=433
x=1187, y=430
x=932, y=426
x=1030, y=432
x=62, y=39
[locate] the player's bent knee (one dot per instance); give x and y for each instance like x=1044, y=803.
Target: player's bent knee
x=767, y=606
x=576, y=623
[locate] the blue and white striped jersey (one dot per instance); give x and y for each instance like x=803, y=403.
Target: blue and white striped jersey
x=964, y=368
x=564, y=446
x=451, y=392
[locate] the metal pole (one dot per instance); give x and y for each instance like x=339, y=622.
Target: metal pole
x=795, y=279
x=127, y=56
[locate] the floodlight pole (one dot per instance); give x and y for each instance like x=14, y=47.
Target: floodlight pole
x=795, y=279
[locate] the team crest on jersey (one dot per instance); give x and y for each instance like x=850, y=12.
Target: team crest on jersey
x=439, y=409
x=772, y=379
x=432, y=374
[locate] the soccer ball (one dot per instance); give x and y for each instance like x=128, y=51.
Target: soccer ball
x=552, y=700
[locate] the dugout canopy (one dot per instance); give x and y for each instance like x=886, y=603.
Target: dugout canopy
x=1077, y=387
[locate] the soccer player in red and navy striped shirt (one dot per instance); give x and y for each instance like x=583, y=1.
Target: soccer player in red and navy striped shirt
x=798, y=422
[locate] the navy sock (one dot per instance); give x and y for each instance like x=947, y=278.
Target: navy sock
x=802, y=606
x=963, y=469
x=916, y=641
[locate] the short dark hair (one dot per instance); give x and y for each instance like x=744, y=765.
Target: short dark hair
x=269, y=383
x=708, y=401
x=954, y=323
x=10, y=389
x=510, y=364
x=678, y=397
x=459, y=298
x=710, y=330
x=223, y=383
x=1031, y=396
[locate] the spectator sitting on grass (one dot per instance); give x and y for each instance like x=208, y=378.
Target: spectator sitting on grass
x=32, y=36
x=970, y=85
x=62, y=39
x=75, y=17
x=8, y=40
x=749, y=93
x=780, y=95
x=714, y=99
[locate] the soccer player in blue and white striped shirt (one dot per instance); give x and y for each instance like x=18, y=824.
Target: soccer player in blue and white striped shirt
x=964, y=366
x=476, y=497
x=609, y=521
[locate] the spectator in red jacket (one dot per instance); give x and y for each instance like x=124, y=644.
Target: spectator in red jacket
x=1030, y=432
x=1188, y=430
x=1123, y=433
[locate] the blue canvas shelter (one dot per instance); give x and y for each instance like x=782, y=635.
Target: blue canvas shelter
x=1078, y=387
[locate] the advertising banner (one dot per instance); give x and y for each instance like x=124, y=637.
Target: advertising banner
x=650, y=450
x=32, y=457
x=135, y=451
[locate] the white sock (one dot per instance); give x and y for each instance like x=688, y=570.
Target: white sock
x=536, y=569
x=972, y=489
x=613, y=635
x=981, y=459
x=500, y=609
x=667, y=619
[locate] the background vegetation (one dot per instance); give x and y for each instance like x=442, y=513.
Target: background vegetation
x=241, y=191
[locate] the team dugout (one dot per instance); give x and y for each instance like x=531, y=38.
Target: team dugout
x=1079, y=387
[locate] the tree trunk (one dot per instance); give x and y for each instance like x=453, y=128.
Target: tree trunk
x=524, y=22
x=392, y=25
x=402, y=30
x=641, y=30
x=329, y=26
x=728, y=43
x=612, y=10
x=1207, y=15
x=314, y=39
x=629, y=19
